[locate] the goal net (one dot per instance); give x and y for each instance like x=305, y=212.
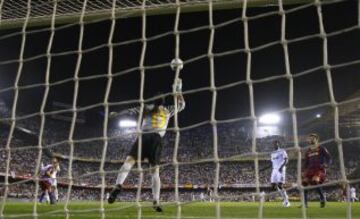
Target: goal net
x=253, y=72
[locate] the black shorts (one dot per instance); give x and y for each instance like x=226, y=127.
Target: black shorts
x=151, y=148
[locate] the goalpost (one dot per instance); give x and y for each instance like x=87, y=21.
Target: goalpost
x=25, y=17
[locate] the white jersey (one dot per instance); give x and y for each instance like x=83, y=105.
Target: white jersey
x=45, y=169
x=43, y=173
x=352, y=192
x=53, y=175
x=158, y=120
x=278, y=158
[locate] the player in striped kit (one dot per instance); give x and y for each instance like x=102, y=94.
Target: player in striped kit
x=279, y=159
x=155, y=120
x=317, y=159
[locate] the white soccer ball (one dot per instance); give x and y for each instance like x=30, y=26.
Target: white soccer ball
x=176, y=63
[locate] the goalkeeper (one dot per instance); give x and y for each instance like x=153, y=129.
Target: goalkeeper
x=154, y=121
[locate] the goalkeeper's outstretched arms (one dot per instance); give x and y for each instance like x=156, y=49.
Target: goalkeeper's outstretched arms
x=129, y=112
x=136, y=110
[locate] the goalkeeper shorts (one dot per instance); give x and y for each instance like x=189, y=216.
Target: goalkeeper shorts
x=150, y=149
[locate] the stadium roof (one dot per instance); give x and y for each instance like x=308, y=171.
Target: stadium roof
x=349, y=112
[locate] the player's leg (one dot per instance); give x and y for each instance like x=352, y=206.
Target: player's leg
x=322, y=196
x=274, y=186
x=125, y=170
x=277, y=181
x=283, y=194
x=305, y=182
x=155, y=186
x=306, y=198
x=273, y=180
x=47, y=194
x=43, y=193
x=281, y=182
x=47, y=197
x=353, y=197
x=46, y=187
x=318, y=180
x=51, y=194
x=123, y=173
x=343, y=193
x=42, y=196
x=126, y=167
x=56, y=192
x=153, y=153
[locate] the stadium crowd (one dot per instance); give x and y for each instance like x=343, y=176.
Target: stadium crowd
x=237, y=177
x=26, y=191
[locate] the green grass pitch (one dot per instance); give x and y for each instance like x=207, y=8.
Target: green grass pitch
x=203, y=210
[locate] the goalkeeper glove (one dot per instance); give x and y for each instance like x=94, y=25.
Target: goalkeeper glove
x=178, y=85
x=113, y=114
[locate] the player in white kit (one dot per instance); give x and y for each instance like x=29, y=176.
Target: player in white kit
x=54, y=182
x=353, y=197
x=202, y=197
x=279, y=159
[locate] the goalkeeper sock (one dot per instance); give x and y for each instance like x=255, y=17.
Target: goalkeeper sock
x=321, y=193
x=124, y=171
x=156, y=186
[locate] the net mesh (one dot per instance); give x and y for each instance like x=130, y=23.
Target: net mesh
x=23, y=11
x=42, y=8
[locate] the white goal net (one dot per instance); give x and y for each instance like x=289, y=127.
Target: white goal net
x=253, y=72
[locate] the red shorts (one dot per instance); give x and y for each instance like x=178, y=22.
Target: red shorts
x=45, y=185
x=310, y=174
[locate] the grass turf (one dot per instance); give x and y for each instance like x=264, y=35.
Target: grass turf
x=204, y=210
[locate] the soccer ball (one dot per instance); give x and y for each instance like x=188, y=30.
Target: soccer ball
x=176, y=63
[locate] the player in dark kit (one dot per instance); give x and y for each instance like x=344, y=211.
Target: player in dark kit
x=154, y=123
x=317, y=159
